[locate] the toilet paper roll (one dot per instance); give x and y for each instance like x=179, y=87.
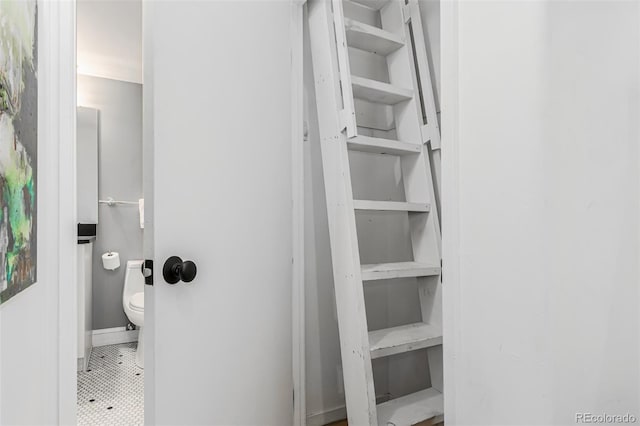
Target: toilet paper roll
x=111, y=260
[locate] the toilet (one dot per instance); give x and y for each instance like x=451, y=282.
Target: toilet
x=133, y=303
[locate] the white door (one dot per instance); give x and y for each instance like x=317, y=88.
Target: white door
x=217, y=117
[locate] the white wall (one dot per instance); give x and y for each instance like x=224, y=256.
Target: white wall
x=28, y=360
x=33, y=375
x=110, y=39
x=541, y=215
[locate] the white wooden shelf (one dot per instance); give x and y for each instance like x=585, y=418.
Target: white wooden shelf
x=413, y=408
x=379, y=92
x=390, y=206
x=371, y=39
x=385, y=271
x=372, y=4
x=383, y=146
x=405, y=338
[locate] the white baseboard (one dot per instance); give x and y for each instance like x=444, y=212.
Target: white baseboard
x=113, y=336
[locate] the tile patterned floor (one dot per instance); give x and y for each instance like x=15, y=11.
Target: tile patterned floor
x=111, y=391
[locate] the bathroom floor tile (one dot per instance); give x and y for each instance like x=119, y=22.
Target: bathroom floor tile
x=111, y=391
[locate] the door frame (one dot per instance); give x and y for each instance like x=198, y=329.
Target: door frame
x=297, y=204
x=58, y=70
x=450, y=220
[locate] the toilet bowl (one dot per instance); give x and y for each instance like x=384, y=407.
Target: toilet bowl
x=133, y=303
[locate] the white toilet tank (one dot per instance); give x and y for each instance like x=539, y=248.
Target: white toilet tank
x=133, y=279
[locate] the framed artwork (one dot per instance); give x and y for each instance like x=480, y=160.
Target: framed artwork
x=18, y=145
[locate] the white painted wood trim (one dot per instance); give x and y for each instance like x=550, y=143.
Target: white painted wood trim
x=58, y=71
x=148, y=167
x=113, y=336
x=391, y=270
x=297, y=194
x=378, y=91
x=348, y=113
x=383, y=146
x=390, y=206
x=404, y=338
x=450, y=202
x=411, y=409
x=431, y=131
x=349, y=292
x=371, y=39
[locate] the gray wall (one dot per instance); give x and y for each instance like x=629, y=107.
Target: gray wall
x=87, y=164
x=430, y=14
x=120, y=177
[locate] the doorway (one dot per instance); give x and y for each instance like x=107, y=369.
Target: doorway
x=110, y=211
x=199, y=140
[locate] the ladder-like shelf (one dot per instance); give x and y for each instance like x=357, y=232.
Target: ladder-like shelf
x=379, y=92
x=392, y=116
x=383, y=146
x=391, y=206
x=372, y=4
x=387, y=271
x=412, y=409
x=404, y=338
x=371, y=39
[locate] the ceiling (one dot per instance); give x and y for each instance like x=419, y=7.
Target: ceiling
x=109, y=39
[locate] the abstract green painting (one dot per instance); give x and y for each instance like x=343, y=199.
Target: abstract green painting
x=18, y=145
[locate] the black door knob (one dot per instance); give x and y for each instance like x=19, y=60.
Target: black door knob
x=175, y=270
